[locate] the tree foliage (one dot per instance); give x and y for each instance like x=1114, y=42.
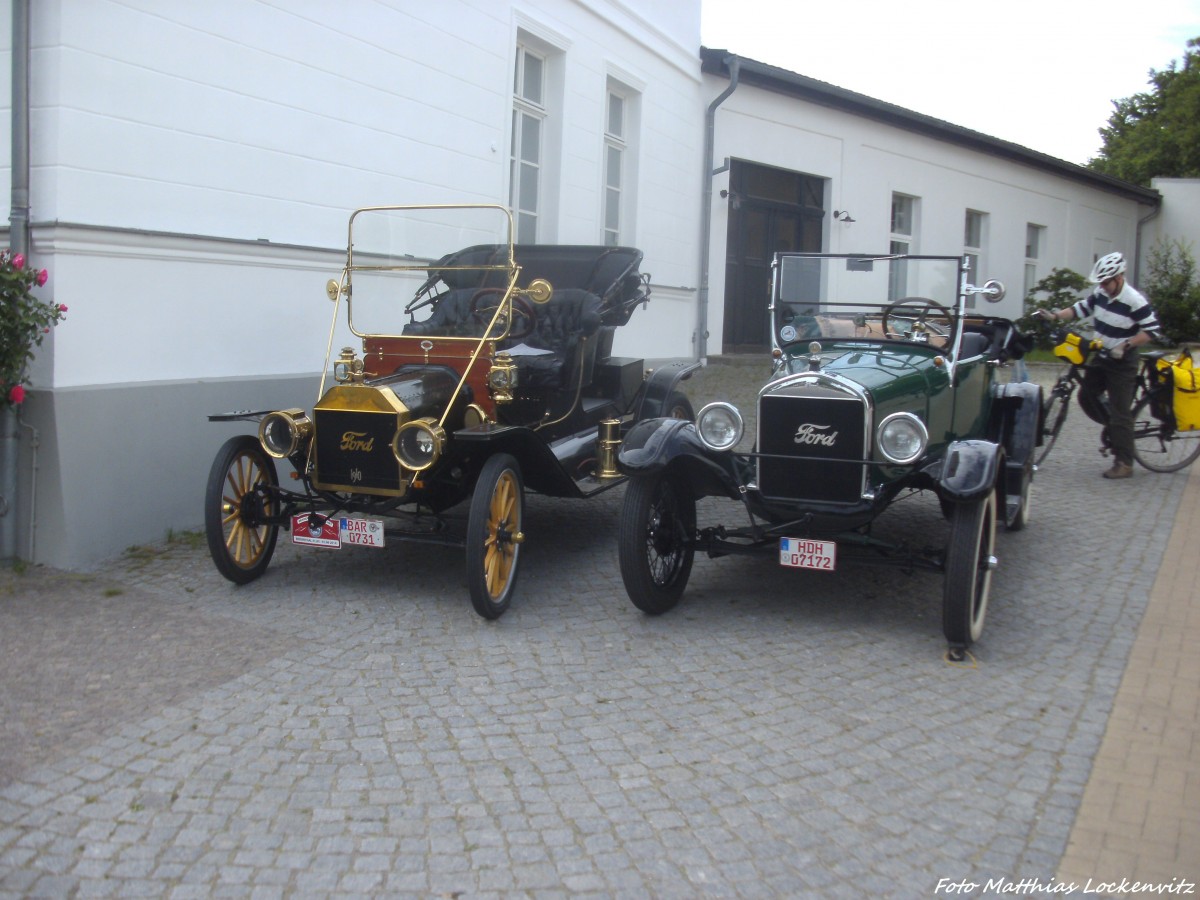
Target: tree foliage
x=1061, y=287
x=1156, y=133
x=1172, y=289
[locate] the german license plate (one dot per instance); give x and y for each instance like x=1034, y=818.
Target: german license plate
x=799, y=553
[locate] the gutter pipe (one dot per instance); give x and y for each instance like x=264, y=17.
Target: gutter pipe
x=734, y=64
x=19, y=238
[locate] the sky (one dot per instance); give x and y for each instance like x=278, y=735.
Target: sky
x=1040, y=73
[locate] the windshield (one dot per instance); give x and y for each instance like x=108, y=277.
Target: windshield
x=400, y=260
x=911, y=299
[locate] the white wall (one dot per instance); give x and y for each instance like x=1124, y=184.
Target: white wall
x=194, y=168
x=866, y=161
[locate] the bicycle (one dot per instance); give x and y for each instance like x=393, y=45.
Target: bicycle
x=1157, y=443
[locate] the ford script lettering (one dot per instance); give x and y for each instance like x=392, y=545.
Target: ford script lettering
x=357, y=440
x=815, y=434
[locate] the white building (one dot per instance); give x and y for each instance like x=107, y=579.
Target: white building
x=193, y=167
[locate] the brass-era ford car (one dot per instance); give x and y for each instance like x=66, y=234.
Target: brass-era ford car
x=481, y=367
x=883, y=382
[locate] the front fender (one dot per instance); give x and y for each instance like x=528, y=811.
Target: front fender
x=654, y=444
x=656, y=390
x=968, y=470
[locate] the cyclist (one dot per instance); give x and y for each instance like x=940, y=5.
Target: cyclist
x=1124, y=320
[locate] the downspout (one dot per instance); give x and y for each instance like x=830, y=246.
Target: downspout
x=19, y=239
x=1137, y=242
x=733, y=63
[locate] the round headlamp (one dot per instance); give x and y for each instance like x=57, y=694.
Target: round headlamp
x=283, y=433
x=901, y=438
x=719, y=425
x=418, y=444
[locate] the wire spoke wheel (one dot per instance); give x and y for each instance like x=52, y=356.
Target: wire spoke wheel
x=237, y=503
x=1157, y=445
x=1053, y=417
x=655, y=540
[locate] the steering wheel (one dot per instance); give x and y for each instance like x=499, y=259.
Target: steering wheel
x=523, y=317
x=924, y=316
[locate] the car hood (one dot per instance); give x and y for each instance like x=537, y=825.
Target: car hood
x=902, y=375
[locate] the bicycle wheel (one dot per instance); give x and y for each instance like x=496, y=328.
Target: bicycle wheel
x=1053, y=417
x=1157, y=445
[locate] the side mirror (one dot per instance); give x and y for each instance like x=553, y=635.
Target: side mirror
x=993, y=291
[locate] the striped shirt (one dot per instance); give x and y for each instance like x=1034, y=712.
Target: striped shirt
x=1118, y=318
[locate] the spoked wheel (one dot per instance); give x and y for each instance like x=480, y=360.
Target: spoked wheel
x=920, y=314
x=1158, y=446
x=969, y=563
x=494, y=535
x=655, y=540
x=1054, y=416
x=236, y=503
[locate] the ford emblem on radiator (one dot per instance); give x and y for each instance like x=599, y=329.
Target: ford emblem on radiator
x=815, y=434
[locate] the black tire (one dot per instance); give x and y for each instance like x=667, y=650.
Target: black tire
x=655, y=540
x=678, y=406
x=494, y=535
x=234, y=507
x=968, y=582
x=1157, y=445
x=1053, y=417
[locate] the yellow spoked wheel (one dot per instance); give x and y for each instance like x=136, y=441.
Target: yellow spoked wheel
x=494, y=535
x=237, y=503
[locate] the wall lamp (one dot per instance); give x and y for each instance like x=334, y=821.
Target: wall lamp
x=842, y=215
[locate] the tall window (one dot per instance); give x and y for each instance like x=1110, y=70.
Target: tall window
x=1034, y=235
x=902, y=231
x=525, y=163
x=614, y=166
x=974, y=235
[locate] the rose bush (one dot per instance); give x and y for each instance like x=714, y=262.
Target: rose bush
x=24, y=322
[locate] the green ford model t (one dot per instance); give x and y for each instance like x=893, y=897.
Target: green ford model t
x=884, y=382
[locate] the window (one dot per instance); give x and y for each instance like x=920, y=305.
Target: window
x=614, y=165
x=974, y=235
x=902, y=241
x=1034, y=235
x=525, y=163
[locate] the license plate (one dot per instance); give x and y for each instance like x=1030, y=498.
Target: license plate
x=318, y=531
x=361, y=532
x=804, y=554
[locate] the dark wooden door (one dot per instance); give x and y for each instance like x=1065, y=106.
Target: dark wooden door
x=770, y=211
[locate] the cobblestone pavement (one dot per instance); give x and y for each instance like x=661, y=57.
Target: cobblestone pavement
x=348, y=726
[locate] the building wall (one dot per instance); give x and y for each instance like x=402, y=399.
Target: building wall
x=194, y=168
x=865, y=162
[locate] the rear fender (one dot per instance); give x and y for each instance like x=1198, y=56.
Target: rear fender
x=968, y=471
x=656, y=391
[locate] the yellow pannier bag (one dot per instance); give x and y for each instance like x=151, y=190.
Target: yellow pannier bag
x=1074, y=348
x=1186, y=391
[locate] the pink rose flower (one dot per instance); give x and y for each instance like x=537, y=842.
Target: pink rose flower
x=42, y=277
x=18, y=261
x=62, y=307
x=17, y=395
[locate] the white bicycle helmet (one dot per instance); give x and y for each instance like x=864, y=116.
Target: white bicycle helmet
x=1106, y=267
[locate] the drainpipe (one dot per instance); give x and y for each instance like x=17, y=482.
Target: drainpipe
x=19, y=238
x=1137, y=242
x=733, y=64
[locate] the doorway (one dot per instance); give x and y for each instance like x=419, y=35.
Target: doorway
x=770, y=210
